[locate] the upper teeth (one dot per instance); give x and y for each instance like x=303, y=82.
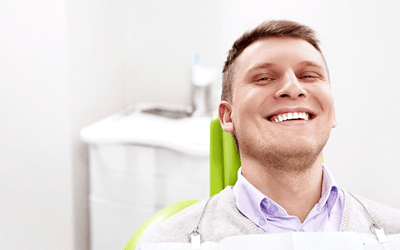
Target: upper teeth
x=290, y=116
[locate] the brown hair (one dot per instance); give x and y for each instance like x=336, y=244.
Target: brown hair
x=274, y=28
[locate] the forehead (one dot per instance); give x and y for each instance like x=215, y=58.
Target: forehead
x=279, y=51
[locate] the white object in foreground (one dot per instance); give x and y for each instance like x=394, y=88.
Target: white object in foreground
x=290, y=241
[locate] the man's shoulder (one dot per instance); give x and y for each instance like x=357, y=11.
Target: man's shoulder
x=178, y=227
x=215, y=218
x=386, y=216
x=361, y=211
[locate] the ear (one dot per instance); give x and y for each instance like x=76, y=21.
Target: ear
x=225, y=116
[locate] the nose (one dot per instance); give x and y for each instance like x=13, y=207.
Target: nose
x=291, y=88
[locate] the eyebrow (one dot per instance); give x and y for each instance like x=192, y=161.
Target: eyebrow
x=261, y=66
x=312, y=64
x=270, y=65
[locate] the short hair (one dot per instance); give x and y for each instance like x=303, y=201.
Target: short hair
x=273, y=28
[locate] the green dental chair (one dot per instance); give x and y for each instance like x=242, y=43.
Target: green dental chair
x=224, y=164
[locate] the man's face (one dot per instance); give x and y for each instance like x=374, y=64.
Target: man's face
x=282, y=101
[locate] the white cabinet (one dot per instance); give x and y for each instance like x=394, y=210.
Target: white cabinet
x=131, y=179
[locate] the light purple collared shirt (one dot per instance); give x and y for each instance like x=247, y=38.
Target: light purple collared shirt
x=326, y=215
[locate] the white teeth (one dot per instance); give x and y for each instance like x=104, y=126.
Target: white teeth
x=290, y=116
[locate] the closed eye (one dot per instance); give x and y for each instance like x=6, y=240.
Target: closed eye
x=309, y=76
x=265, y=79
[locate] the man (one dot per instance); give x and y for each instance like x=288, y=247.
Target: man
x=278, y=105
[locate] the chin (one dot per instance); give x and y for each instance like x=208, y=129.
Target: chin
x=295, y=157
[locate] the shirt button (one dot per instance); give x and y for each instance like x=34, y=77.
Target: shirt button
x=262, y=222
x=274, y=210
x=301, y=230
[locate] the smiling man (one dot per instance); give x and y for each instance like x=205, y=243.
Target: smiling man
x=278, y=105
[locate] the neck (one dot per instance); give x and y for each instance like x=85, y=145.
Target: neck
x=296, y=187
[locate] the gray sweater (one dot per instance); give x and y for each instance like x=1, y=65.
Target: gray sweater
x=222, y=219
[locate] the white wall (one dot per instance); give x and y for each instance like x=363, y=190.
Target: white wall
x=360, y=40
x=61, y=68
x=163, y=38
x=35, y=163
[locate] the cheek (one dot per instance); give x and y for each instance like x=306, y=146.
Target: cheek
x=250, y=99
x=328, y=106
x=323, y=95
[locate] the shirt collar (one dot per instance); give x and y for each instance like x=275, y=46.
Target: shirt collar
x=329, y=192
x=251, y=202
x=248, y=198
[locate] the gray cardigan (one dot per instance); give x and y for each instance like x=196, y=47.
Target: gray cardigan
x=222, y=219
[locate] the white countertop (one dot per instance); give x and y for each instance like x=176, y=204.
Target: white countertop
x=186, y=135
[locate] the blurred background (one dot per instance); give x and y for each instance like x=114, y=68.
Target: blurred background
x=66, y=64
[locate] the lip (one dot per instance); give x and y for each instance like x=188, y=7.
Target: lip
x=291, y=110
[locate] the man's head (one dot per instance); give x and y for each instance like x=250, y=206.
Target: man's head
x=274, y=71
x=275, y=28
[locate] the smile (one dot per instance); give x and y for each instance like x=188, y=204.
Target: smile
x=290, y=116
